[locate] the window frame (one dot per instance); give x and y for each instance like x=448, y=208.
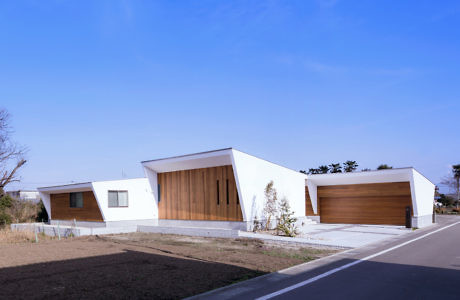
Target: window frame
x=70, y=200
x=118, y=202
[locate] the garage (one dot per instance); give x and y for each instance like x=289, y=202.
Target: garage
x=374, y=203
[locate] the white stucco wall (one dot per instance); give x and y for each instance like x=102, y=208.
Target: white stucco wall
x=141, y=204
x=422, y=194
x=252, y=176
x=46, y=202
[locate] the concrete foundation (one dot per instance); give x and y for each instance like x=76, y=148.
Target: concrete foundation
x=108, y=224
x=317, y=219
x=422, y=221
x=231, y=225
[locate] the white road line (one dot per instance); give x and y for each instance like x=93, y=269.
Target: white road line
x=318, y=277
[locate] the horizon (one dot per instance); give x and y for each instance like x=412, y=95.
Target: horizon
x=94, y=88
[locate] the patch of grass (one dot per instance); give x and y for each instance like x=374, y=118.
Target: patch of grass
x=303, y=254
x=7, y=236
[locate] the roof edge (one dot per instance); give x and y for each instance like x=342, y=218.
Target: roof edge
x=185, y=155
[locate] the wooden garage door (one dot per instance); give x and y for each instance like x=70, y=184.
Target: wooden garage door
x=376, y=203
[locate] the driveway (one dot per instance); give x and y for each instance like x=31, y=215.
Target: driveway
x=338, y=235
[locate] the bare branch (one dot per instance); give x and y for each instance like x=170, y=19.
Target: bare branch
x=11, y=154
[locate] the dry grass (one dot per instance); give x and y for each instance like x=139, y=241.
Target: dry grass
x=22, y=211
x=8, y=236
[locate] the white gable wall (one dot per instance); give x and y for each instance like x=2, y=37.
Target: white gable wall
x=252, y=175
x=422, y=194
x=140, y=200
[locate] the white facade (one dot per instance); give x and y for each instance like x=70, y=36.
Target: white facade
x=140, y=198
x=252, y=176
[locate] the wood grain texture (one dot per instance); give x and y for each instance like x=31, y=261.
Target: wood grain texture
x=192, y=195
x=376, y=203
x=61, y=210
x=308, y=205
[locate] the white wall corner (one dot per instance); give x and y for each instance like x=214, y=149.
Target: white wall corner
x=238, y=188
x=422, y=191
x=313, y=192
x=152, y=177
x=46, y=202
x=97, y=195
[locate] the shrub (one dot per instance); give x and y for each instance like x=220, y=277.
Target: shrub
x=5, y=218
x=5, y=202
x=13, y=210
x=257, y=225
x=286, y=222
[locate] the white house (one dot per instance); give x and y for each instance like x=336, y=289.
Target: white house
x=225, y=189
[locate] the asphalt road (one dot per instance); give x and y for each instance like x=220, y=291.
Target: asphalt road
x=427, y=268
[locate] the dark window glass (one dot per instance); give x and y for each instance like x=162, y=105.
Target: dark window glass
x=76, y=200
x=228, y=200
x=159, y=192
x=218, y=200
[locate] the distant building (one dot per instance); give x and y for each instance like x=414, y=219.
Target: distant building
x=29, y=195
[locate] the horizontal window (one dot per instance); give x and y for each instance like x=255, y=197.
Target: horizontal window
x=118, y=198
x=76, y=200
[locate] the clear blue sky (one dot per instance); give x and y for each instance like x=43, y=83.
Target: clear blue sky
x=95, y=87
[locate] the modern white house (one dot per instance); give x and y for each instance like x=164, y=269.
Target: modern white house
x=100, y=203
x=225, y=189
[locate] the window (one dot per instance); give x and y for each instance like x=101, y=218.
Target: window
x=218, y=200
x=228, y=200
x=76, y=200
x=118, y=198
x=159, y=192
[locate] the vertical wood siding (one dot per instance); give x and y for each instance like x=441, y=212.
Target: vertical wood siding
x=192, y=195
x=61, y=210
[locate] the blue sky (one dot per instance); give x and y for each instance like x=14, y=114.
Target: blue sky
x=95, y=87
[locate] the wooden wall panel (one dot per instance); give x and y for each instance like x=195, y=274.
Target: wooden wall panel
x=192, y=195
x=61, y=210
x=376, y=203
x=308, y=205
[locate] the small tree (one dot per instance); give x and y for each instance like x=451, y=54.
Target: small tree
x=323, y=169
x=11, y=154
x=335, y=168
x=350, y=166
x=286, y=222
x=445, y=200
x=384, y=167
x=313, y=171
x=456, y=173
x=271, y=204
x=453, y=182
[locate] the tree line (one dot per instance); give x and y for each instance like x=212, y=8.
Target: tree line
x=346, y=167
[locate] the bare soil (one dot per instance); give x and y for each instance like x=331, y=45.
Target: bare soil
x=138, y=265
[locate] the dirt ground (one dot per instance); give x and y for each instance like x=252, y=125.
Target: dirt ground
x=138, y=265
